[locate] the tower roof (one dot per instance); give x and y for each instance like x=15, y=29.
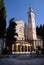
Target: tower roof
x=30, y=9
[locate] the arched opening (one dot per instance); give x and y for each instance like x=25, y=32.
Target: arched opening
x=25, y=48
x=22, y=48
x=28, y=48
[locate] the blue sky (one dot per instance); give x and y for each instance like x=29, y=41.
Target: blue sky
x=19, y=8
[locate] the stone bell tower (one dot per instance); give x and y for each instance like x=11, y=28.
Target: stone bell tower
x=31, y=26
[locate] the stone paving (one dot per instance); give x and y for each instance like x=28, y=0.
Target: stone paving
x=22, y=60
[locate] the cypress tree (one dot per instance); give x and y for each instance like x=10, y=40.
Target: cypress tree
x=2, y=19
x=11, y=33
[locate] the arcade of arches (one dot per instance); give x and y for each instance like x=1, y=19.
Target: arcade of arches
x=24, y=47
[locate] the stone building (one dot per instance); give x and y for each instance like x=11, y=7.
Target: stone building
x=21, y=46
x=27, y=39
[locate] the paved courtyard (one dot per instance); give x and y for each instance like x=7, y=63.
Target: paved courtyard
x=22, y=61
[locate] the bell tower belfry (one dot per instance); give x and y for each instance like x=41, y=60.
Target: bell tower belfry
x=31, y=25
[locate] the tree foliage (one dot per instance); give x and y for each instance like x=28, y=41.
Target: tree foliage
x=2, y=19
x=11, y=33
x=40, y=31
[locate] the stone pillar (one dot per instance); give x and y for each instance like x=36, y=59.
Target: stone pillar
x=13, y=47
x=34, y=44
x=30, y=48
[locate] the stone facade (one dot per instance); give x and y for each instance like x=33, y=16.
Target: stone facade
x=21, y=47
x=31, y=25
x=25, y=33
x=20, y=30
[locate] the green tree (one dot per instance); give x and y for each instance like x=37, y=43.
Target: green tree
x=40, y=32
x=2, y=19
x=11, y=33
x=37, y=29
x=43, y=34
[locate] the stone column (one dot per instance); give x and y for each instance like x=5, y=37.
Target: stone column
x=34, y=44
x=30, y=48
x=13, y=47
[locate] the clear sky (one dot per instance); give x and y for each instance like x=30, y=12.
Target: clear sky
x=19, y=8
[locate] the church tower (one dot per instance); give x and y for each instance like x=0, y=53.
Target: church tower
x=31, y=26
